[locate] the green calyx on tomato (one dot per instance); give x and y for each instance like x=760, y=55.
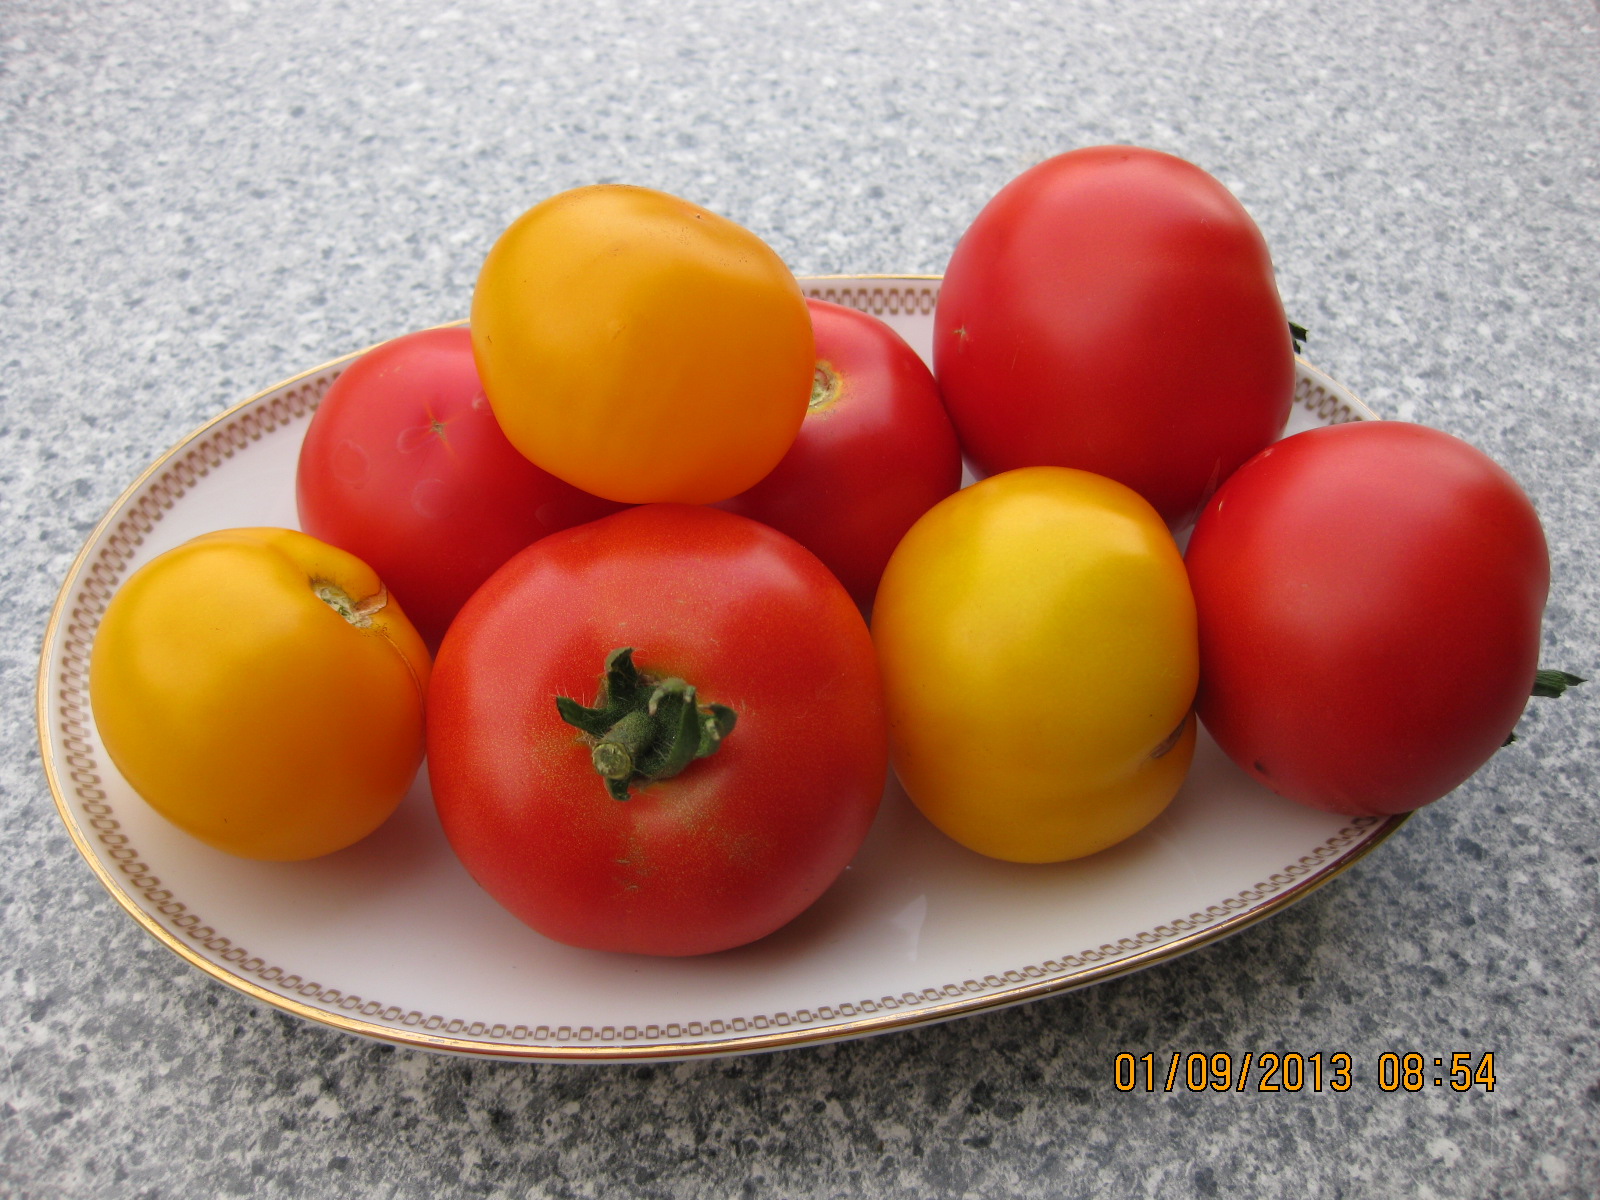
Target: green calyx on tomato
x=645, y=729
x=1553, y=684
x=1549, y=685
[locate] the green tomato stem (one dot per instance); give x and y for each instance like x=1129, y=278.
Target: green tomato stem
x=1553, y=684
x=642, y=729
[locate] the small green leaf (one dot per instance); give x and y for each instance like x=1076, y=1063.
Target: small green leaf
x=620, y=691
x=1552, y=684
x=1297, y=335
x=593, y=721
x=672, y=705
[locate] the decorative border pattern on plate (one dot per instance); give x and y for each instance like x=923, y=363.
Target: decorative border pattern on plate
x=169, y=479
x=891, y=297
x=1321, y=403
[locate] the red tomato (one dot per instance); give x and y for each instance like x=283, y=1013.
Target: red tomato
x=404, y=466
x=743, y=837
x=1369, y=597
x=1113, y=309
x=875, y=452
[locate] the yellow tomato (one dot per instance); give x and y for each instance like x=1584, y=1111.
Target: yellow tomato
x=261, y=691
x=1037, y=638
x=642, y=348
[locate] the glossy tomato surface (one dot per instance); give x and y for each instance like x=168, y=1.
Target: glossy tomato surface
x=1037, y=639
x=742, y=840
x=1370, y=596
x=261, y=690
x=404, y=466
x=641, y=347
x=875, y=451
x=1113, y=309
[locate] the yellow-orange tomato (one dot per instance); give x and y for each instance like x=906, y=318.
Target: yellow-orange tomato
x=1038, y=644
x=640, y=347
x=261, y=691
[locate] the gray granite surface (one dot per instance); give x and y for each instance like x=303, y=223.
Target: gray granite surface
x=199, y=199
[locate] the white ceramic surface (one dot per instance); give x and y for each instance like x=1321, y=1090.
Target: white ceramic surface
x=391, y=939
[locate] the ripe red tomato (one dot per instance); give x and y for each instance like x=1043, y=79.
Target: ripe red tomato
x=404, y=466
x=1369, y=597
x=1113, y=309
x=875, y=452
x=752, y=656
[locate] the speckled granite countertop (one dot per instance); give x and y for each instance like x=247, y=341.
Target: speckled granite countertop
x=201, y=199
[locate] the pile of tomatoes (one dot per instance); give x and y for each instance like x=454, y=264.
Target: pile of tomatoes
x=608, y=557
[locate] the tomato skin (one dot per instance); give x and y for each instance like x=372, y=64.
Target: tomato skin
x=740, y=842
x=641, y=347
x=1370, y=596
x=248, y=711
x=875, y=451
x=404, y=466
x=1113, y=309
x=1036, y=635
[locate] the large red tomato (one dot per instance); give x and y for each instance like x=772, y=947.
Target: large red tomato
x=1114, y=309
x=1369, y=598
x=719, y=751
x=404, y=466
x=875, y=451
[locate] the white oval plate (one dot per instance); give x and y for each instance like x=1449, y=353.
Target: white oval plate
x=392, y=940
